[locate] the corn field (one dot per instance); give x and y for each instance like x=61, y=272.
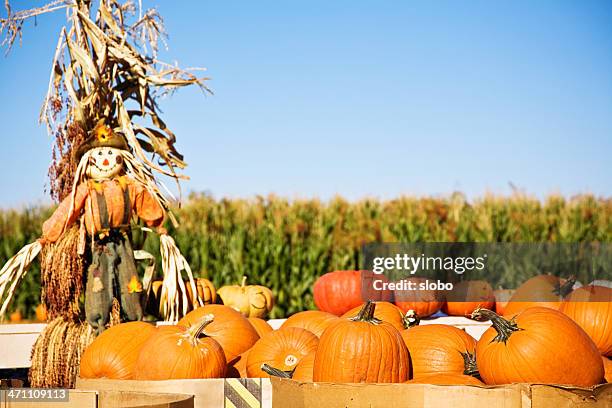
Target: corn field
x=286, y=244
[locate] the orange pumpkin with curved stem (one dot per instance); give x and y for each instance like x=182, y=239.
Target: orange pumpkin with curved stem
x=591, y=307
x=363, y=349
x=281, y=349
x=229, y=328
x=113, y=353
x=539, y=291
x=440, y=349
x=466, y=296
x=423, y=302
x=315, y=321
x=260, y=325
x=177, y=352
x=385, y=311
x=250, y=300
x=540, y=345
x=340, y=291
x=447, y=379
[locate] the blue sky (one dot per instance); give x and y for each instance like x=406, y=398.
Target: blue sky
x=361, y=98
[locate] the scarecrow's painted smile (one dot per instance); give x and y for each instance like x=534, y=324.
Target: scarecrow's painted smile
x=104, y=163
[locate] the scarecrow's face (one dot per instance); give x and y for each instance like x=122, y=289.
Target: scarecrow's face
x=104, y=163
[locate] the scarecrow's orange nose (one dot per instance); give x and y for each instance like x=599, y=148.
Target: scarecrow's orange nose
x=105, y=162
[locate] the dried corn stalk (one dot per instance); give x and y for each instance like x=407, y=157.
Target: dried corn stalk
x=106, y=60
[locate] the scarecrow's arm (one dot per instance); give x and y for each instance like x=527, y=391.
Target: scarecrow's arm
x=148, y=208
x=63, y=217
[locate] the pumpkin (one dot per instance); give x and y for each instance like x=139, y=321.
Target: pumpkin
x=281, y=349
x=178, y=352
x=260, y=325
x=340, y=291
x=591, y=308
x=423, y=302
x=540, y=345
x=607, y=368
x=113, y=353
x=315, y=321
x=304, y=369
x=502, y=297
x=205, y=289
x=385, y=311
x=250, y=300
x=466, y=296
x=542, y=290
x=16, y=317
x=440, y=349
x=229, y=328
x=363, y=349
x=41, y=313
x=447, y=379
x=237, y=367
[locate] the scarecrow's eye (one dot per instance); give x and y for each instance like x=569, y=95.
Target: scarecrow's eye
x=110, y=152
x=100, y=153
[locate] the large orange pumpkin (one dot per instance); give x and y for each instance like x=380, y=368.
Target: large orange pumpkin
x=447, y=379
x=540, y=345
x=539, y=291
x=304, y=369
x=229, y=328
x=177, y=352
x=339, y=291
x=281, y=349
x=607, y=368
x=385, y=311
x=260, y=325
x=363, y=349
x=423, y=302
x=466, y=296
x=314, y=321
x=439, y=348
x=113, y=353
x=591, y=307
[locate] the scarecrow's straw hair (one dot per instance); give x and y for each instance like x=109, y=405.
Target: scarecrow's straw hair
x=62, y=271
x=56, y=355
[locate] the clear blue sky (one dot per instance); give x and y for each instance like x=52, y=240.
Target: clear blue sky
x=362, y=98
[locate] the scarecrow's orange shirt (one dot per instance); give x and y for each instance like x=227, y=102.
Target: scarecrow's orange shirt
x=141, y=203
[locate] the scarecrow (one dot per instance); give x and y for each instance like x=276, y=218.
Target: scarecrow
x=101, y=108
x=103, y=203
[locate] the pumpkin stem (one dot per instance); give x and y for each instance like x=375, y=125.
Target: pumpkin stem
x=469, y=364
x=410, y=319
x=566, y=288
x=244, y=278
x=503, y=326
x=366, y=314
x=195, y=331
x=268, y=369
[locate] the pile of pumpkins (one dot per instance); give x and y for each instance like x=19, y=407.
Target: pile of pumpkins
x=377, y=341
